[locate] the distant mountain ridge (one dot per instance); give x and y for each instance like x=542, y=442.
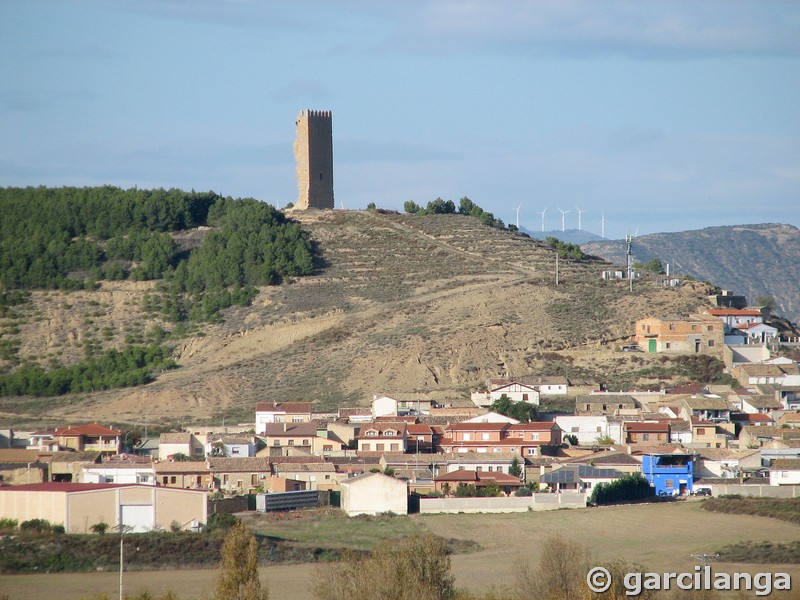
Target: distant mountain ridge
x=571, y=236
x=752, y=260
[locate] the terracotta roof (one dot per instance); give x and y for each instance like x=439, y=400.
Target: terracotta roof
x=734, y=312
x=282, y=460
x=533, y=426
x=306, y=467
x=419, y=429
x=637, y=426
x=18, y=455
x=382, y=427
x=290, y=429
x=706, y=403
x=762, y=402
x=88, y=429
x=287, y=407
x=358, y=410
x=479, y=478
x=187, y=466
x=240, y=464
x=64, y=487
x=478, y=426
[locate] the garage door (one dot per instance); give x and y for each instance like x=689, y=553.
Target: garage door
x=139, y=516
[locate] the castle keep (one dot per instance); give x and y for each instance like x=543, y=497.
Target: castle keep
x=313, y=151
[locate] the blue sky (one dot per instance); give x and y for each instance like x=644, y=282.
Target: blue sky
x=661, y=116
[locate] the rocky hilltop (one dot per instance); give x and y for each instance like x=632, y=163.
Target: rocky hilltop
x=400, y=304
x=751, y=260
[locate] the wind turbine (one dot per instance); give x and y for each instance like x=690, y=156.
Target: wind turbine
x=602, y=225
x=520, y=206
x=541, y=212
x=563, y=212
x=580, y=212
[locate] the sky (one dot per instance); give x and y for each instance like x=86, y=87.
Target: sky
x=654, y=116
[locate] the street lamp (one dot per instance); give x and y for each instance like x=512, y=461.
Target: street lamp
x=123, y=529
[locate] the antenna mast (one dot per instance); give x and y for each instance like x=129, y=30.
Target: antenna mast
x=629, y=254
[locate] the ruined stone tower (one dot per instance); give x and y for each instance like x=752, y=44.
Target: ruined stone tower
x=313, y=151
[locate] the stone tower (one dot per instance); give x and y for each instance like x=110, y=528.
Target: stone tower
x=313, y=151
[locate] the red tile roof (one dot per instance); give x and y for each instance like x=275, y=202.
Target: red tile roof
x=734, y=312
x=88, y=429
x=288, y=407
x=636, y=426
x=479, y=477
x=64, y=487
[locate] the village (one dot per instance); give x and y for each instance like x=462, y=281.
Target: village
x=398, y=455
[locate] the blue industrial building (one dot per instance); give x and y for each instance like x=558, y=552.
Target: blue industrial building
x=669, y=474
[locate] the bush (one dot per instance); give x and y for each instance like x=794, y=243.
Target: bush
x=6, y=523
x=37, y=525
x=221, y=521
x=633, y=486
x=99, y=528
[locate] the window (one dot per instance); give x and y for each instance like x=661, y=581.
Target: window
x=669, y=484
x=173, y=479
x=668, y=345
x=710, y=328
x=467, y=436
x=577, y=429
x=327, y=448
x=531, y=451
x=701, y=431
x=254, y=479
x=491, y=469
x=710, y=343
x=479, y=469
x=645, y=437
x=694, y=327
x=524, y=397
x=291, y=442
x=484, y=436
x=366, y=447
x=499, y=469
x=535, y=437
x=276, y=443
x=379, y=447
x=225, y=479
x=297, y=419
x=235, y=450
x=165, y=480
x=372, y=433
x=672, y=326
x=394, y=447
x=306, y=442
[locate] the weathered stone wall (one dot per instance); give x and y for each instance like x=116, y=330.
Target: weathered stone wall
x=313, y=151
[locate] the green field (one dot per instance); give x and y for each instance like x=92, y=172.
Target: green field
x=659, y=536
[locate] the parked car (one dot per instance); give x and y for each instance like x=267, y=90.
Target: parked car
x=631, y=348
x=701, y=492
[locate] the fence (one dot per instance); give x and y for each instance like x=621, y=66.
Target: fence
x=756, y=491
x=502, y=504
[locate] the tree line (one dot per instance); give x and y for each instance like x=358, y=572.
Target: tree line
x=465, y=207
x=69, y=238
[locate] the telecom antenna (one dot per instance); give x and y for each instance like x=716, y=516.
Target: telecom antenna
x=520, y=206
x=629, y=253
x=580, y=212
x=602, y=225
x=563, y=212
x=541, y=212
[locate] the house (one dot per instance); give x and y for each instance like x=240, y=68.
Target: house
x=285, y=434
x=750, y=374
x=281, y=412
x=79, y=506
x=588, y=428
x=232, y=446
x=493, y=462
x=606, y=459
x=90, y=438
x=785, y=471
x=706, y=408
x=120, y=472
x=696, y=333
x=670, y=474
x=647, y=432
x=385, y=406
x=790, y=420
x=521, y=438
x=711, y=434
x=758, y=332
x=316, y=474
x=240, y=475
x=386, y=436
x=726, y=463
x=533, y=435
x=421, y=437
x=578, y=478
x=181, y=442
x=733, y=317
x=758, y=404
x=356, y=414
x=21, y=466
x=605, y=404
x=185, y=474
x=66, y=466
x=516, y=392
x=449, y=482
x=373, y=494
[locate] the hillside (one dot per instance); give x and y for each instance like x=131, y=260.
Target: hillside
x=751, y=260
x=399, y=304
